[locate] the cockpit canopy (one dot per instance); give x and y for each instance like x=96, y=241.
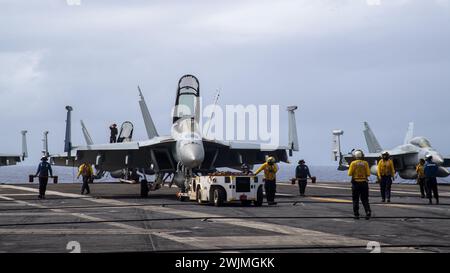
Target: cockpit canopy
x=187, y=100
x=421, y=142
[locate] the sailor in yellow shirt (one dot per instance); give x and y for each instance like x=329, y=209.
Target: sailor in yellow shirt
x=360, y=172
x=386, y=174
x=87, y=172
x=420, y=169
x=270, y=169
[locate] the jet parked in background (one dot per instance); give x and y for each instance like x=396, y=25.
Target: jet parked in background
x=405, y=157
x=7, y=159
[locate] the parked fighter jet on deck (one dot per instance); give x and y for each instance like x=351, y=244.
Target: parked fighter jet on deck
x=185, y=152
x=405, y=157
x=69, y=159
x=8, y=159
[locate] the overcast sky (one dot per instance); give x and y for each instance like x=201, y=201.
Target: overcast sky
x=341, y=61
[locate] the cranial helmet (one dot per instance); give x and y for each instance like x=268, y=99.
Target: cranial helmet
x=358, y=154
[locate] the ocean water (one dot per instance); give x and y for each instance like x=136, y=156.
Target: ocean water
x=19, y=174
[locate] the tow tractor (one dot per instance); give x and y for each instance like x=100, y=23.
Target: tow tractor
x=225, y=187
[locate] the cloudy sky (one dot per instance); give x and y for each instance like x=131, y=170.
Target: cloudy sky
x=342, y=61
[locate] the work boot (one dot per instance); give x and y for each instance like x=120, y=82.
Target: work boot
x=356, y=217
x=389, y=200
x=368, y=215
x=437, y=201
x=39, y=196
x=430, y=202
x=383, y=200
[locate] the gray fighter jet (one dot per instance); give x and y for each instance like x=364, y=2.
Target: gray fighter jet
x=185, y=152
x=7, y=159
x=405, y=157
x=69, y=159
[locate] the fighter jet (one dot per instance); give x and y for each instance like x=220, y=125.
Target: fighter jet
x=7, y=159
x=66, y=160
x=405, y=157
x=185, y=152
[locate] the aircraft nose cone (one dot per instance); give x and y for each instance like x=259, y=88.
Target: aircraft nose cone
x=192, y=155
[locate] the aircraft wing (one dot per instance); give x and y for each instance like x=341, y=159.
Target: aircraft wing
x=65, y=160
x=220, y=154
x=6, y=160
x=154, y=153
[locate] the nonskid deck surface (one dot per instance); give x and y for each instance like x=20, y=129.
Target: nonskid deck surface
x=114, y=219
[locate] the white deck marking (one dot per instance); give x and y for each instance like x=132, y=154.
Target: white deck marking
x=447, y=194
x=19, y=194
x=80, y=231
x=79, y=215
x=303, y=235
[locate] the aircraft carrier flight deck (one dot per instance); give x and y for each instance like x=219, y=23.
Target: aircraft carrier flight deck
x=115, y=219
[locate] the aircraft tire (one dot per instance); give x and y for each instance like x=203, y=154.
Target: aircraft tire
x=259, y=197
x=218, y=197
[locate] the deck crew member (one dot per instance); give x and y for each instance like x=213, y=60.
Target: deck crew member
x=86, y=171
x=431, y=171
x=114, y=133
x=43, y=171
x=301, y=174
x=246, y=169
x=360, y=172
x=270, y=169
x=421, y=179
x=386, y=174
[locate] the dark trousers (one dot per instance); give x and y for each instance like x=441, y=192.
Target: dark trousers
x=43, y=181
x=432, y=188
x=85, y=186
x=271, y=188
x=423, y=186
x=302, y=183
x=360, y=190
x=112, y=139
x=385, y=187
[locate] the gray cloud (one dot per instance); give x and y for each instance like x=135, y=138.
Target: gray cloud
x=343, y=62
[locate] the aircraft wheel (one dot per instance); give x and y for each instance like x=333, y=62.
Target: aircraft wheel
x=259, y=198
x=199, y=196
x=218, y=197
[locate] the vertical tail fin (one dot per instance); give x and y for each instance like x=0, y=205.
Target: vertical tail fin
x=24, y=144
x=372, y=143
x=293, y=135
x=148, y=121
x=87, y=136
x=409, y=133
x=68, y=139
